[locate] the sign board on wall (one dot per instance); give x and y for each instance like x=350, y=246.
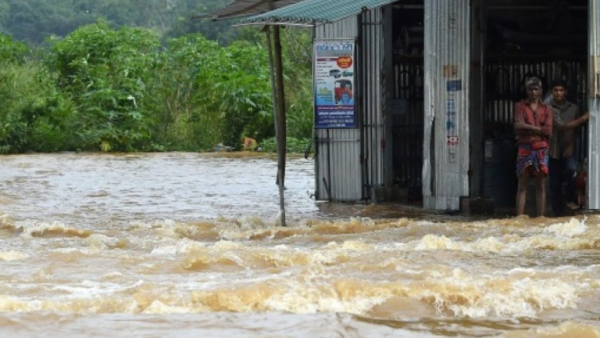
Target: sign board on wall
x=334, y=84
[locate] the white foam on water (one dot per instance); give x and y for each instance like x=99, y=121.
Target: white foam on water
x=181, y=246
x=158, y=307
x=455, y=293
x=572, y=235
x=477, y=296
x=6, y=219
x=571, y=228
x=40, y=229
x=69, y=250
x=98, y=242
x=114, y=274
x=91, y=289
x=9, y=256
x=14, y=304
x=567, y=329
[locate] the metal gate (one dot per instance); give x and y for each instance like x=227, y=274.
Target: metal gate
x=407, y=98
x=407, y=119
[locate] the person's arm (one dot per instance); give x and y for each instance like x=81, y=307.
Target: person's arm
x=546, y=129
x=576, y=122
x=520, y=120
x=570, y=146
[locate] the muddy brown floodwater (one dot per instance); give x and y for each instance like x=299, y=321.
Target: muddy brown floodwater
x=187, y=245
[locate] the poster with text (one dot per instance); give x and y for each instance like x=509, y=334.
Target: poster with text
x=334, y=84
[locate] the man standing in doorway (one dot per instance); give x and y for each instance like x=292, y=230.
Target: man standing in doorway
x=563, y=162
x=533, y=126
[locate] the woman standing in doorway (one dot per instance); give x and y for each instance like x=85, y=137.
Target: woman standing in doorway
x=533, y=127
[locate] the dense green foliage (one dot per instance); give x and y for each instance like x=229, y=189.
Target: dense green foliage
x=12, y=51
x=105, y=73
x=111, y=88
x=34, y=114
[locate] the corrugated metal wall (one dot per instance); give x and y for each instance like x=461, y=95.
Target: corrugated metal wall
x=593, y=183
x=446, y=131
x=338, y=151
x=350, y=161
x=372, y=104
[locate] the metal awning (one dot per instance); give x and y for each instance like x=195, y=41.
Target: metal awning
x=238, y=8
x=314, y=12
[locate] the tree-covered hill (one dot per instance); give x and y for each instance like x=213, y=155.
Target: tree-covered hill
x=33, y=21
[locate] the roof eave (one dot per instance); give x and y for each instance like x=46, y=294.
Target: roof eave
x=278, y=23
x=285, y=21
x=237, y=9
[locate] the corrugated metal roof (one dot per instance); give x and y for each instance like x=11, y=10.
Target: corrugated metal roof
x=239, y=8
x=312, y=12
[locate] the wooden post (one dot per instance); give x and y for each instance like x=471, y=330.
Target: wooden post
x=281, y=123
x=267, y=30
x=278, y=92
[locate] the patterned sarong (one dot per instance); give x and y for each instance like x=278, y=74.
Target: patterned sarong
x=534, y=154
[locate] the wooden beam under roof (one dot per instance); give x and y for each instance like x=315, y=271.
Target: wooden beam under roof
x=240, y=8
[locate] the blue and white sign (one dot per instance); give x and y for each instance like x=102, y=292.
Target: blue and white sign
x=334, y=84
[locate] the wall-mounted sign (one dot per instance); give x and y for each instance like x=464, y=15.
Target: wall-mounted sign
x=334, y=84
x=450, y=71
x=454, y=86
x=452, y=139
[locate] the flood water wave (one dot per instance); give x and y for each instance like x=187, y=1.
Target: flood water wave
x=174, y=255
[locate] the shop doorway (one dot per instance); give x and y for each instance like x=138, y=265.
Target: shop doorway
x=407, y=109
x=524, y=38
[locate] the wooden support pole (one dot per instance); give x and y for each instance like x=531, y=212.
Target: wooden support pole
x=267, y=30
x=278, y=93
x=281, y=121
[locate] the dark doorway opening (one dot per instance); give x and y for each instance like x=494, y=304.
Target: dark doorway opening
x=407, y=98
x=525, y=38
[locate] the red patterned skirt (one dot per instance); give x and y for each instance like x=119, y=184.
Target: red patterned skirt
x=532, y=155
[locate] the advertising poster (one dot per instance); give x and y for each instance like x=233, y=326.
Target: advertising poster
x=334, y=84
x=453, y=85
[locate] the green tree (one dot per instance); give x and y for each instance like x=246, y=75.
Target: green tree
x=105, y=71
x=205, y=94
x=175, y=99
x=12, y=51
x=238, y=85
x=34, y=114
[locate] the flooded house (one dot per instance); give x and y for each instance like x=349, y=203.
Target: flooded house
x=414, y=99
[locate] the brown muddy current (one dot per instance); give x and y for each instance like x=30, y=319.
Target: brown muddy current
x=187, y=245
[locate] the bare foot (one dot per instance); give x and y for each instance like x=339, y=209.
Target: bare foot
x=572, y=206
